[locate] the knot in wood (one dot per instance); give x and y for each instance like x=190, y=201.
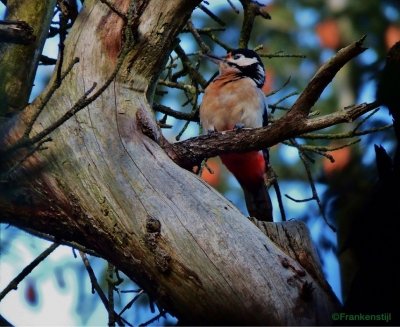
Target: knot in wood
x=153, y=225
x=306, y=291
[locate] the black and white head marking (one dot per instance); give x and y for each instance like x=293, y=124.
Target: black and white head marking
x=249, y=63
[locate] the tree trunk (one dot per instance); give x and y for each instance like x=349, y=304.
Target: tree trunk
x=103, y=184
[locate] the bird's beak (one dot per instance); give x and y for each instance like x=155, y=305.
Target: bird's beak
x=213, y=58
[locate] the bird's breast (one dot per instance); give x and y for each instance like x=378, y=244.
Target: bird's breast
x=228, y=101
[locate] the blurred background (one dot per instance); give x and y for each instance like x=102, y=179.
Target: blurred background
x=58, y=291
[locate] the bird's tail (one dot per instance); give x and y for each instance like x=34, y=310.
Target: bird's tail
x=258, y=202
x=249, y=170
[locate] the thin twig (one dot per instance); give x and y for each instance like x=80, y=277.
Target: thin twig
x=204, y=30
x=131, y=302
x=362, y=121
x=13, y=285
x=47, y=98
x=312, y=136
x=6, y=175
x=212, y=15
x=176, y=114
x=62, y=35
x=299, y=200
x=47, y=61
x=271, y=175
x=187, y=64
x=71, y=244
x=161, y=314
x=284, y=98
x=194, y=112
x=131, y=291
x=218, y=41
x=278, y=89
x=312, y=184
x=321, y=150
x=197, y=36
x=110, y=285
x=276, y=55
x=115, y=9
x=233, y=7
x=180, y=85
x=96, y=287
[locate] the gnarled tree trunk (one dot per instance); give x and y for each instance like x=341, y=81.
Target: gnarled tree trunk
x=104, y=184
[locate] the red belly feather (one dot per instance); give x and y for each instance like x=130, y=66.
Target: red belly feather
x=248, y=168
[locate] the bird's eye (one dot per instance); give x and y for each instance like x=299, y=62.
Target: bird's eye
x=237, y=56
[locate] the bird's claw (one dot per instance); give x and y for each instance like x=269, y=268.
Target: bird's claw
x=238, y=127
x=212, y=131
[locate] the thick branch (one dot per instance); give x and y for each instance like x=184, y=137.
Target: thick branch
x=191, y=152
x=323, y=77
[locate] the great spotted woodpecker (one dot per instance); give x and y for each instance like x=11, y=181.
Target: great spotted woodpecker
x=235, y=100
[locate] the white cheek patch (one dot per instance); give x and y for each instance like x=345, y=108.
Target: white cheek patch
x=250, y=67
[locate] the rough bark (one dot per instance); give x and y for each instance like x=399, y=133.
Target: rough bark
x=16, y=33
x=19, y=62
x=104, y=184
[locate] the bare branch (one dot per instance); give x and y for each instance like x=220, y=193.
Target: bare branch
x=218, y=41
x=47, y=61
x=116, y=10
x=278, y=55
x=192, y=151
x=16, y=32
x=176, y=114
x=233, y=7
x=252, y=9
x=13, y=285
x=321, y=150
x=323, y=77
x=110, y=284
x=197, y=36
x=212, y=15
x=161, y=314
x=51, y=238
x=129, y=305
x=315, y=195
x=187, y=64
x=6, y=175
x=344, y=135
x=96, y=286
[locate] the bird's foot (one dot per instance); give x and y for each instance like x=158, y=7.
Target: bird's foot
x=212, y=131
x=238, y=127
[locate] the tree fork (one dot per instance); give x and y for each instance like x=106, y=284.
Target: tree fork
x=105, y=185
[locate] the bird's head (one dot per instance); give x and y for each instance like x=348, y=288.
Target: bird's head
x=245, y=62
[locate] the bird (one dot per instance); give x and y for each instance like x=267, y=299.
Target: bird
x=234, y=100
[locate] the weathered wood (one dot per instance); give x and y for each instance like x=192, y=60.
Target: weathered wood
x=293, y=237
x=104, y=184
